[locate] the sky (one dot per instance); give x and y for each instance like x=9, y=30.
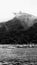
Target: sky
x=8, y=7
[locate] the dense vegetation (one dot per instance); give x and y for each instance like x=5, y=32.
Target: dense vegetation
x=17, y=33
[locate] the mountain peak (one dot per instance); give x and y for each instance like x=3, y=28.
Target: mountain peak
x=27, y=18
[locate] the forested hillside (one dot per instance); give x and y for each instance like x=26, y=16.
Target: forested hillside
x=14, y=32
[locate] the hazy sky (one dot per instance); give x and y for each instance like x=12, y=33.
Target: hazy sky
x=8, y=7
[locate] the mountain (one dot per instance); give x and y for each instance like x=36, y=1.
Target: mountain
x=21, y=29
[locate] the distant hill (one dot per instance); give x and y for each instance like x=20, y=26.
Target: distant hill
x=18, y=31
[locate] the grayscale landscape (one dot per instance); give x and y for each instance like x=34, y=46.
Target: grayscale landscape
x=18, y=32
x=18, y=38
x=11, y=55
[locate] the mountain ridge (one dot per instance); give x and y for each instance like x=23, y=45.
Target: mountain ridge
x=15, y=31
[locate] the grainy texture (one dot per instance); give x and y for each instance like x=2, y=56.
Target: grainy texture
x=18, y=32
x=10, y=54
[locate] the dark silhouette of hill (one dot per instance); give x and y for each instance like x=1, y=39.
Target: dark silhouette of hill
x=14, y=32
